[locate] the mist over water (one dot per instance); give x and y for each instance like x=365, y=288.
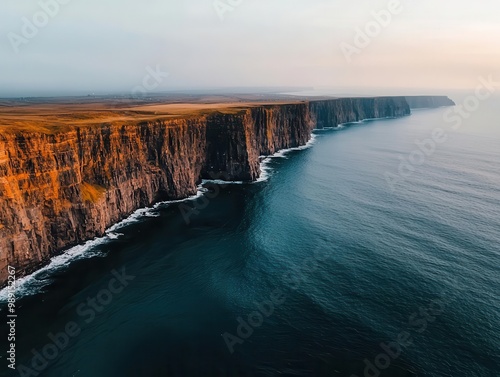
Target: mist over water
x=355, y=262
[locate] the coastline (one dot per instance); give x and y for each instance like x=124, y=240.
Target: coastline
x=165, y=162
x=30, y=285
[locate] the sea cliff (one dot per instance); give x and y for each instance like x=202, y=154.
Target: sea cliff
x=424, y=102
x=60, y=189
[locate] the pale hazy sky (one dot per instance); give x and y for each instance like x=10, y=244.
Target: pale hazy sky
x=105, y=46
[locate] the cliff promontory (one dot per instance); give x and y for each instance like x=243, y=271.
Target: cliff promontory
x=428, y=102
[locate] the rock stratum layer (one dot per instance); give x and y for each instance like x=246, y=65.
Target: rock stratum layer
x=60, y=189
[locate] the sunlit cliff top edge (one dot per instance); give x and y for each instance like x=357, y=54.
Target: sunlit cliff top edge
x=59, y=114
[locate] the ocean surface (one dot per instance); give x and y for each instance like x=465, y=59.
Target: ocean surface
x=340, y=251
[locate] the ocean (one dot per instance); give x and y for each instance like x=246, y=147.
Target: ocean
x=372, y=252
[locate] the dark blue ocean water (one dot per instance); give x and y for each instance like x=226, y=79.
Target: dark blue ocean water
x=351, y=261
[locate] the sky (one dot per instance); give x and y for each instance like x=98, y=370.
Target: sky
x=112, y=46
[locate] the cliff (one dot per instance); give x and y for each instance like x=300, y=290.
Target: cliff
x=62, y=188
x=421, y=102
x=331, y=113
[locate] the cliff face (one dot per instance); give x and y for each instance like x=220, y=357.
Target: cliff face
x=235, y=142
x=331, y=113
x=58, y=190
x=421, y=102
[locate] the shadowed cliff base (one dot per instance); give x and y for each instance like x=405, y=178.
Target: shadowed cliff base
x=68, y=171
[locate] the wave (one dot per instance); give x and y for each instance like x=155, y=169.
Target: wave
x=367, y=120
x=221, y=182
x=34, y=283
x=342, y=126
x=265, y=168
x=332, y=128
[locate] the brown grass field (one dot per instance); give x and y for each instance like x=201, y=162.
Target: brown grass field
x=59, y=114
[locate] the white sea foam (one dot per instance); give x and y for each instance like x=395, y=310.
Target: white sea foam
x=265, y=163
x=336, y=128
x=35, y=282
x=344, y=125
x=200, y=192
x=221, y=182
x=265, y=168
x=114, y=236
